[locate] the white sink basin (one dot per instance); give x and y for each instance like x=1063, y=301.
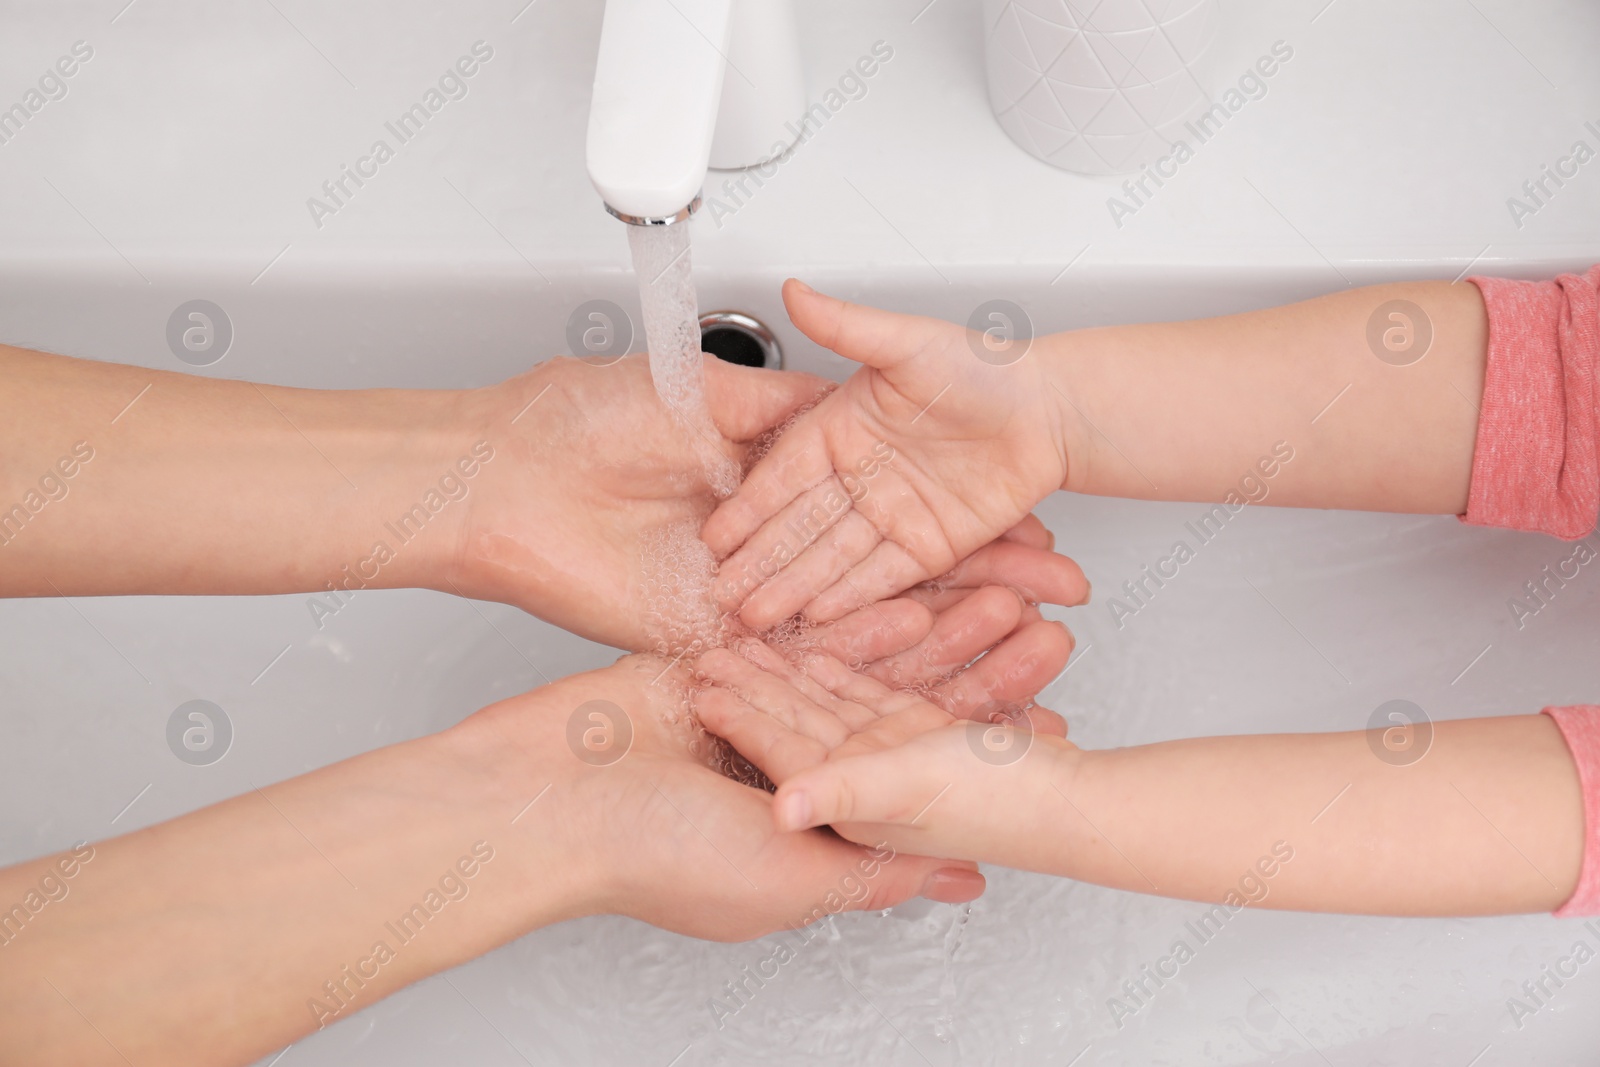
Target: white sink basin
x=178, y=167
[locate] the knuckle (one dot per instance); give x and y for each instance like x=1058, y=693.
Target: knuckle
x=845, y=801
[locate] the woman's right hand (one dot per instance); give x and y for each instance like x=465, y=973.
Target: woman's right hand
x=650, y=829
x=590, y=466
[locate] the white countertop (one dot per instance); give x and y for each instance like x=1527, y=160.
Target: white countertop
x=181, y=160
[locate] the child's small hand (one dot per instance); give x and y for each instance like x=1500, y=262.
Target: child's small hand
x=924, y=456
x=931, y=636
x=885, y=765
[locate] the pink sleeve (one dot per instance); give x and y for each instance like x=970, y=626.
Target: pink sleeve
x=1580, y=727
x=1534, y=466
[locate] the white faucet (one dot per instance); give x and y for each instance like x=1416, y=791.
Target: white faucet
x=686, y=85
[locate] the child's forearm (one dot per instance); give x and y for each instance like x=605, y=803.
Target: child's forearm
x=1489, y=820
x=1186, y=411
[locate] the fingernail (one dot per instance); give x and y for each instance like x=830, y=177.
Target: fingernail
x=1088, y=591
x=794, y=812
x=802, y=286
x=953, y=885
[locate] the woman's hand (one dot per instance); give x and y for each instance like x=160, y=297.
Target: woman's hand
x=544, y=491
x=924, y=456
x=332, y=890
x=589, y=467
x=664, y=836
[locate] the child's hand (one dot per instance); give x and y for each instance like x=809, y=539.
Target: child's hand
x=1021, y=651
x=940, y=451
x=932, y=635
x=885, y=765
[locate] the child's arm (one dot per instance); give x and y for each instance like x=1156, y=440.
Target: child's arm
x=1489, y=820
x=1185, y=411
x=1364, y=399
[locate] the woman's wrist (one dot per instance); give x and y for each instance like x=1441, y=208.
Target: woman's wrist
x=414, y=459
x=512, y=759
x=498, y=459
x=435, y=822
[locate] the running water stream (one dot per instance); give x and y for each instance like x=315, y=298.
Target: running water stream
x=672, y=330
x=676, y=567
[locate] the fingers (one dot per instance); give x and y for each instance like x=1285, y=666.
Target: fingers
x=1032, y=532
x=1039, y=575
x=880, y=787
x=766, y=658
x=1024, y=654
x=864, y=334
x=747, y=401
x=959, y=634
x=1041, y=721
x=798, y=524
x=762, y=688
x=886, y=571
x=793, y=880
x=900, y=715
x=875, y=632
x=797, y=463
x=820, y=566
x=1021, y=654
x=893, y=878
x=954, y=885
x=776, y=751
x=824, y=701
x=1013, y=673
x=845, y=684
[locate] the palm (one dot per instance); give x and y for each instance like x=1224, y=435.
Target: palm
x=684, y=822
x=674, y=842
x=902, y=770
x=962, y=473
x=586, y=474
x=937, y=451
x=591, y=472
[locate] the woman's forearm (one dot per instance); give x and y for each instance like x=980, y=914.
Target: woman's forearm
x=227, y=933
x=122, y=480
x=1489, y=820
x=1374, y=392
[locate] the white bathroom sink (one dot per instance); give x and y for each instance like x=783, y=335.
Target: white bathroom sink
x=178, y=167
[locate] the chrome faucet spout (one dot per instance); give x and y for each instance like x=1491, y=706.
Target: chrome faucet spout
x=655, y=220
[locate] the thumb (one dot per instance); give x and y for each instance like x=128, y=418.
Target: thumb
x=875, y=788
x=869, y=335
x=745, y=401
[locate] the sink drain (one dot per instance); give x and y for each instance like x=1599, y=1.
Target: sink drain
x=735, y=337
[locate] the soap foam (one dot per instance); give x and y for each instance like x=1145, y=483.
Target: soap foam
x=677, y=571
